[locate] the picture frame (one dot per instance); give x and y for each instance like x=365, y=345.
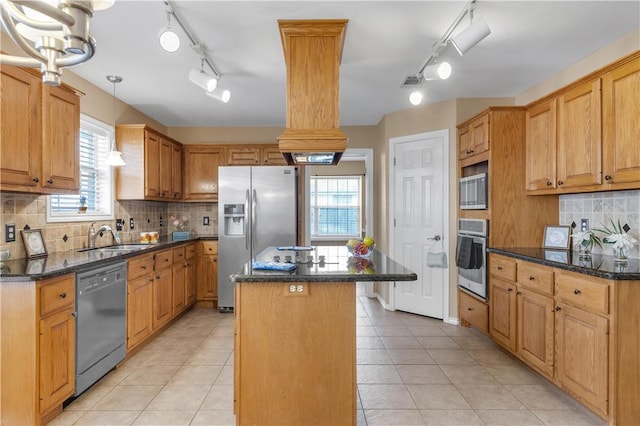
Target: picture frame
x=560, y=256
x=33, y=243
x=556, y=237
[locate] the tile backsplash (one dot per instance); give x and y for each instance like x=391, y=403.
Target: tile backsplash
x=29, y=209
x=600, y=208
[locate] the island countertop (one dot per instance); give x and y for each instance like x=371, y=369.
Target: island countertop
x=324, y=264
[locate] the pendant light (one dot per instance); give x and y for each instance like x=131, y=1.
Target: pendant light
x=115, y=157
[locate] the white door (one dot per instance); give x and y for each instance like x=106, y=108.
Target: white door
x=420, y=213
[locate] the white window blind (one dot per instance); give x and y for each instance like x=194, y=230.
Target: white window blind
x=96, y=180
x=336, y=207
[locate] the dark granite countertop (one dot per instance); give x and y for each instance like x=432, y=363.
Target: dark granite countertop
x=327, y=264
x=64, y=262
x=598, y=265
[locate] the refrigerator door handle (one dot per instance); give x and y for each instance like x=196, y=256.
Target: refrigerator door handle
x=254, y=201
x=246, y=222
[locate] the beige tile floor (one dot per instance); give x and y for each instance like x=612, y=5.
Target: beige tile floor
x=412, y=370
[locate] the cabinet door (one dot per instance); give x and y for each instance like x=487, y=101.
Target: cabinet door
x=20, y=144
x=151, y=165
x=583, y=362
x=60, y=139
x=579, y=137
x=536, y=330
x=190, y=282
x=166, y=162
x=621, y=126
x=178, y=287
x=176, y=172
x=201, y=174
x=503, y=313
x=139, y=310
x=271, y=156
x=57, y=358
x=464, y=143
x=479, y=129
x=162, y=298
x=208, y=278
x=243, y=156
x=541, y=146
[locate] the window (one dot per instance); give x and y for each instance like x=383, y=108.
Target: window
x=96, y=178
x=336, y=207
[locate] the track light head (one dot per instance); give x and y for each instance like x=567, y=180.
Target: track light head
x=470, y=36
x=168, y=38
x=202, y=79
x=223, y=95
x=415, y=98
x=435, y=71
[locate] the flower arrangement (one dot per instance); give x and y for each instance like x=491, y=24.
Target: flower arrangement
x=585, y=240
x=179, y=222
x=82, y=208
x=620, y=239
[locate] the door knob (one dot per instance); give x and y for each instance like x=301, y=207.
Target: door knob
x=437, y=238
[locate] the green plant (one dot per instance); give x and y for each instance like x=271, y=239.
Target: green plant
x=587, y=239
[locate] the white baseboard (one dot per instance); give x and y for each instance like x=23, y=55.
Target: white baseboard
x=451, y=320
x=385, y=305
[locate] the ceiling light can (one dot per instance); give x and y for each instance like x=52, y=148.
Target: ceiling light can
x=169, y=40
x=415, y=98
x=471, y=36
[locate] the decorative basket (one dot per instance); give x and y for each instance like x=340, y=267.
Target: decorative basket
x=180, y=235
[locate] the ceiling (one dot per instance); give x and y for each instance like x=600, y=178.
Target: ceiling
x=385, y=42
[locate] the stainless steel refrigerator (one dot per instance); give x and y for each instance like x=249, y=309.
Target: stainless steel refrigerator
x=257, y=208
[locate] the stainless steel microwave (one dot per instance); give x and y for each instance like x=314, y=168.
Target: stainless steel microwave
x=473, y=192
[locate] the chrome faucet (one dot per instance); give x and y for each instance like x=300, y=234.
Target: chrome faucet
x=93, y=233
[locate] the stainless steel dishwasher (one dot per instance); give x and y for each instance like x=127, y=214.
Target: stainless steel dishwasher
x=101, y=322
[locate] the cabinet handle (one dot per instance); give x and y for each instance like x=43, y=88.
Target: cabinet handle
x=558, y=308
x=532, y=278
x=518, y=293
x=36, y=179
x=509, y=290
x=499, y=268
x=469, y=309
x=157, y=277
x=560, y=183
x=74, y=314
x=549, y=183
x=49, y=181
x=576, y=291
x=607, y=177
x=151, y=279
x=144, y=267
x=63, y=295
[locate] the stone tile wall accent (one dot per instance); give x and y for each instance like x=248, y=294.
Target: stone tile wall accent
x=599, y=208
x=23, y=209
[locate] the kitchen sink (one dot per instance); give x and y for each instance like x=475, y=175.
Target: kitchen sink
x=121, y=247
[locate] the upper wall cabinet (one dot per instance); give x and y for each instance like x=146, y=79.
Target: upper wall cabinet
x=254, y=155
x=201, y=172
x=39, y=135
x=151, y=164
x=584, y=138
x=473, y=137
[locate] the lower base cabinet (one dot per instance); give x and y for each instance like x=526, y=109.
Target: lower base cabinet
x=473, y=312
x=139, y=310
x=207, y=271
x=536, y=331
x=503, y=313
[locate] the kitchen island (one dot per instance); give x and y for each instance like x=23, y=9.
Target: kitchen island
x=295, y=335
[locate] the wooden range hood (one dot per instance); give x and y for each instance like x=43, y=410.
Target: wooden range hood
x=312, y=53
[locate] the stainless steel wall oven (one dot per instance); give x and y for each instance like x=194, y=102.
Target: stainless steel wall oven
x=471, y=256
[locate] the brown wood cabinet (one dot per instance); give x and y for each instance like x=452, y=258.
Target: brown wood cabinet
x=254, y=155
x=191, y=283
x=40, y=133
x=271, y=156
x=473, y=137
x=207, y=289
x=580, y=138
x=535, y=331
x=39, y=347
x=151, y=159
x=473, y=312
x=162, y=288
x=502, y=323
x=201, y=172
x=139, y=310
x=179, y=283
x=314, y=327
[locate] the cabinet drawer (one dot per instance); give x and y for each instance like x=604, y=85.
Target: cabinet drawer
x=57, y=294
x=190, y=251
x=178, y=254
x=535, y=277
x=163, y=259
x=209, y=247
x=582, y=291
x=139, y=266
x=474, y=311
x=502, y=267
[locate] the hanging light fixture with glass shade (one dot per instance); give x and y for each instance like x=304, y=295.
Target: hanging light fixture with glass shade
x=55, y=34
x=114, y=158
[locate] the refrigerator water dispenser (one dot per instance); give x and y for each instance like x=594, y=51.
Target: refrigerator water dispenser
x=234, y=220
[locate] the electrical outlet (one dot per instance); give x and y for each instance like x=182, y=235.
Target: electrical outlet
x=131, y=224
x=10, y=232
x=205, y=221
x=584, y=224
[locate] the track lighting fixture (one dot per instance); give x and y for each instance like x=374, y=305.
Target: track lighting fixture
x=223, y=95
x=202, y=79
x=471, y=35
x=60, y=34
x=462, y=42
x=168, y=38
x=114, y=158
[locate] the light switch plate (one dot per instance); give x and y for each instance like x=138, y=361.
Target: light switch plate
x=131, y=224
x=205, y=220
